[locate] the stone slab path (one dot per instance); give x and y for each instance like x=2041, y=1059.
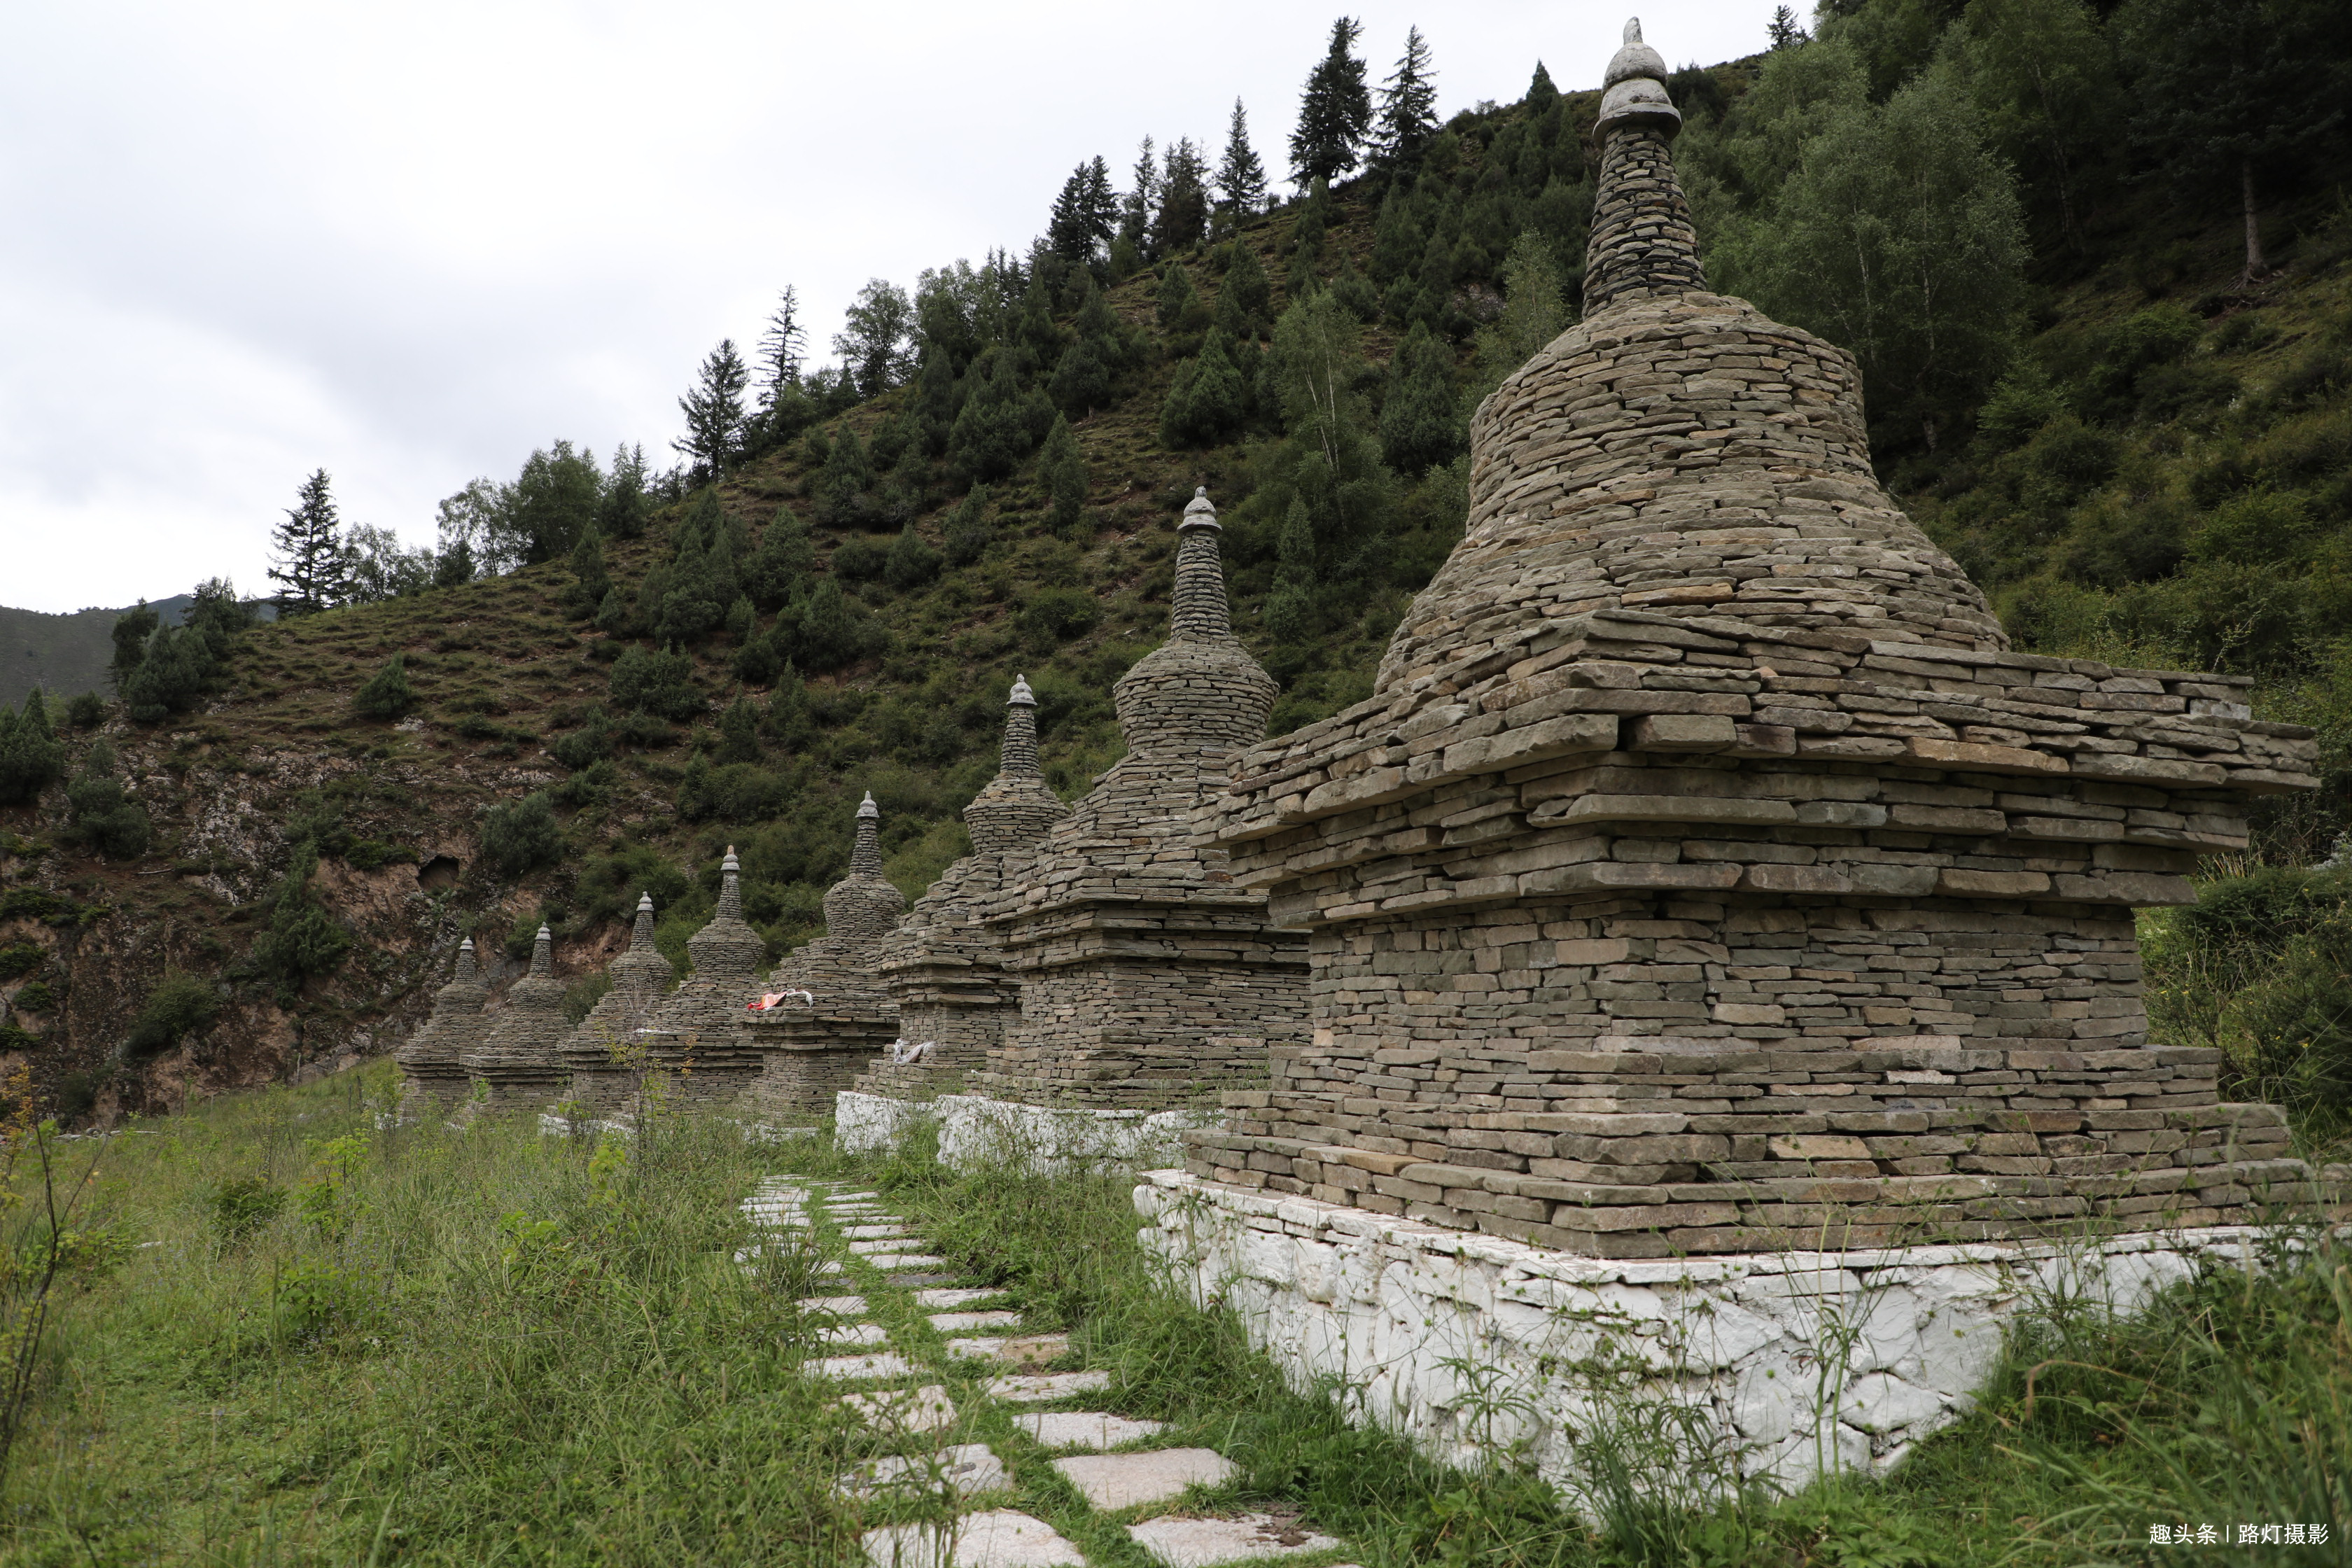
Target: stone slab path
x=949, y=1389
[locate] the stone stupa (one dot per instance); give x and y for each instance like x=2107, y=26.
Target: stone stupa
x=941, y=966
x=1705, y=874
x=695, y=1034
x=1147, y=978
x=836, y=1014
x=432, y=1060
x=604, y=1051
x=516, y=1067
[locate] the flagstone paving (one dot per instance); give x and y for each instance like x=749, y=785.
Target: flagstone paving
x=1124, y=1481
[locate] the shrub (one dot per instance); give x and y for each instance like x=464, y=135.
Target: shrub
x=860, y=561
x=1205, y=401
x=2260, y=526
x=180, y=1005
x=586, y=746
x=387, y=694
x=520, y=835
x=781, y=564
x=86, y=711
x=2021, y=402
x=732, y=792
x=657, y=683
x=243, y=1205
x=609, y=884
x=22, y=959
x=374, y=853
x=969, y=534
x=826, y=629
x=1060, y=614
x=911, y=562
x=39, y=996
x=1062, y=475
x=105, y=818
x=760, y=659
x=302, y=939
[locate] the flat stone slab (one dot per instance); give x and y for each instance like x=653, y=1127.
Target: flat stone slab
x=859, y=1368
x=967, y=1469
x=931, y=1298
x=997, y=1538
x=925, y=1409
x=1129, y=1480
x=1084, y=1428
x=1035, y=1388
x=866, y=1230
x=884, y=1246
x=912, y=1281
x=1034, y=1350
x=839, y=1306
x=905, y=1260
x=855, y=1334
x=1207, y=1543
x=963, y=1322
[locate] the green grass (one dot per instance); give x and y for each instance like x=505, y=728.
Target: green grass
x=300, y=1338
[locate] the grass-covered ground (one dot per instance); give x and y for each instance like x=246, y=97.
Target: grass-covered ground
x=289, y=1336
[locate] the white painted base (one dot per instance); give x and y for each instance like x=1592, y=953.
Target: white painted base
x=976, y=1131
x=1775, y=1366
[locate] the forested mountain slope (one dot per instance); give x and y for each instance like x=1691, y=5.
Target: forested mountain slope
x=2138, y=441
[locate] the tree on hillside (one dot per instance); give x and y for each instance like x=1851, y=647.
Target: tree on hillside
x=306, y=553
x=876, y=342
x=1085, y=215
x=553, y=501
x=2226, y=90
x=130, y=631
x=1241, y=177
x=1407, y=119
x=1334, y=114
x=1782, y=31
x=714, y=412
x=783, y=347
x=1183, y=199
x=1142, y=201
x=1898, y=238
x=2042, y=76
x=32, y=758
x=380, y=567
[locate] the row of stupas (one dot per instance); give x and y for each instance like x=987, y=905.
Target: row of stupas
x=1706, y=872
x=1099, y=957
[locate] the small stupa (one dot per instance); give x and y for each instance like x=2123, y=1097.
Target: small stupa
x=605, y=1053
x=942, y=968
x=1147, y=978
x=516, y=1067
x=432, y=1060
x=696, y=1034
x=834, y=1015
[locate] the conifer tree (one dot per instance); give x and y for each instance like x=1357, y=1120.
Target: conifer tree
x=130, y=631
x=1183, y=200
x=1081, y=383
x=105, y=816
x=1085, y=215
x=301, y=939
x=590, y=579
x=1541, y=93
x=1137, y=206
x=306, y=552
x=1420, y=421
x=1208, y=398
x=1783, y=30
x=738, y=732
x=386, y=694
x=1334, y=114
x=1241, y=177
x=783, y=347
x=714, y=412
x=626, y=506
x=781, y=562
x=32, y=758
x=842, y=485
x=969, y=534
x=1062, y=475
x=1408, y=110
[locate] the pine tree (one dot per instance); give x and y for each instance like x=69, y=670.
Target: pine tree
x=738, y=732
x=1062, y=475
x=969, y=534
x=104, y=815
x=1207, y=400
x=1541, y=93
x=130, y=631
x=627, y=505
x=1240, y=178
x=1136, y=207
x=590, y=579
x=1407, y=112
x=1783, y=30
x=386, y=694
x=1335, y=113
x=1420, y=420
x=1183, y=200
x=1085, y=215
x=32, y=758
x=714, y=412
x=782, y=349
x=307, y=552
x=782, y=562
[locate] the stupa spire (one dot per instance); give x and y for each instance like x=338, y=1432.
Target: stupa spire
x=468, y=969
x=1018, y=758
x=1642, y=243
x=641, y=934
x=730, y=888
x=866, y=859
x=1201, y=612
x=543, y=953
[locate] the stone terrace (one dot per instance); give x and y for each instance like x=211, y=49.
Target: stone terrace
x=1704, y=871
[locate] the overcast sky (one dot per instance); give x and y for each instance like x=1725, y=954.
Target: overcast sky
x=409, y=243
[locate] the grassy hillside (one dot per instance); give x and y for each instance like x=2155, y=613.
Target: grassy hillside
x=2159, y=475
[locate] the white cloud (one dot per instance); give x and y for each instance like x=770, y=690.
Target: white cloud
x=408, y=244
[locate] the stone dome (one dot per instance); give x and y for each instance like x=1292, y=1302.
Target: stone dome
x=526, y=1031
x=1014, y=809
x=1677, y=451
x=1199, y=692
x=455, y=1026
x=865, y=904
x=727, y=950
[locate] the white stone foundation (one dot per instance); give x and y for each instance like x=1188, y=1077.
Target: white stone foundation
x=1043, y=1140
x=1771, y=1366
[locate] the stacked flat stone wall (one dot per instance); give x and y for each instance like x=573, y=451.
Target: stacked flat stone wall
x=432, y=1062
